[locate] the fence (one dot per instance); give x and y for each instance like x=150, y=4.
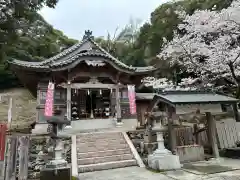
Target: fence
x=185, y=136
x=228, y=133
x=14, y=155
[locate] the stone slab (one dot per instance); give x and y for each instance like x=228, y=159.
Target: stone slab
x=181, y=175
x=212, y=166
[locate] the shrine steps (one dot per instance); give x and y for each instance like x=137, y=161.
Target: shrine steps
x=102, y=151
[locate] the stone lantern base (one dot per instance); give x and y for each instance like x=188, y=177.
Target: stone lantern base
x=162, y=158
x=163, y=161
x=63, y=173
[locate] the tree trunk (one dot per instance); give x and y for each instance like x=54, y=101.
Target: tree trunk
x=238, y=91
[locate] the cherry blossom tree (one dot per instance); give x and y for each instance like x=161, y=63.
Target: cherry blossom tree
x=164, y=84
x=208, y=44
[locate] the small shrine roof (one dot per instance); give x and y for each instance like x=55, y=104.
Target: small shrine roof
x=144, y=96
x=193, y=97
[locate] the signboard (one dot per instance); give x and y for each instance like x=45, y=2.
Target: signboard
x=132, y=99
x=49, y=100
x=192, y=108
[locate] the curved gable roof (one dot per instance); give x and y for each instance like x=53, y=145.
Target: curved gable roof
x=75, y=54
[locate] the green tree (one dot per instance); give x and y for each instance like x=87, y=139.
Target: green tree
x=36, y=42
x=16, y=18
x=164, y=20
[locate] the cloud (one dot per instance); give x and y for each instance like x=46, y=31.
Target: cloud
x=73, y=17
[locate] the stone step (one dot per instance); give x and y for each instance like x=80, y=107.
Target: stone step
x=104, y=159
x=92, y=136
x=101, y=148
x=107, y=165
x=103, y=153
x=100, y=144
x=79, y=141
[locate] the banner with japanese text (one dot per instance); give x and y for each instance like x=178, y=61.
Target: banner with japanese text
x=49, y=100
x=132, y=99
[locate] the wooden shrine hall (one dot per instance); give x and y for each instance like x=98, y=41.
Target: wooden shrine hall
x=89, y=82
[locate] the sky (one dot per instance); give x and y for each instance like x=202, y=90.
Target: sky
x=73, y=17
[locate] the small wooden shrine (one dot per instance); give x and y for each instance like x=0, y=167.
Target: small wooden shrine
x=173, y=104
x=89, y=82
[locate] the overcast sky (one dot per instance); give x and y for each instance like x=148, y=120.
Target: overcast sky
x=73, y=17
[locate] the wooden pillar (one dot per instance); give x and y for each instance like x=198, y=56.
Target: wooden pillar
x=69, y=100
x=212, y=135
x=171, y=131
x=235, y=111
x=196, y=128
x=118, y=107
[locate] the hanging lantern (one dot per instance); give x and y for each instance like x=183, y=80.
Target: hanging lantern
x=111, y=90
x=88, y=92
x=100, y=92
x=75, y=91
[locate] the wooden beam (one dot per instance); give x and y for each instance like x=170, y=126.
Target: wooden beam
x=74, y=75
x=171, y=131
x=235, y=111
x=118, y=104
x=69, y=95
x=90, y=86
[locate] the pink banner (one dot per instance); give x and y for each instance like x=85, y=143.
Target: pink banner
x=49, y=100
x=132, y=99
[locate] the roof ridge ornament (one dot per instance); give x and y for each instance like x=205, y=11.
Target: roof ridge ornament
x=88, y=34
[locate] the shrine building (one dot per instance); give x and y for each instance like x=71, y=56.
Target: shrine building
x=89, y=82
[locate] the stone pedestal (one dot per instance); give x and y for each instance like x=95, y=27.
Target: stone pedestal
x=56, y=174
x=162, y=159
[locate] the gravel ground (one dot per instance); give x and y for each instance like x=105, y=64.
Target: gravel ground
x=129, y=173
x=137, y=173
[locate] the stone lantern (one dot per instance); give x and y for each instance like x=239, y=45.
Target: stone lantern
x=57, y=168
x=162, y=158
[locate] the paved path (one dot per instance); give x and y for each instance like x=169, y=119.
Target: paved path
x=129, y=173
x=137, y=173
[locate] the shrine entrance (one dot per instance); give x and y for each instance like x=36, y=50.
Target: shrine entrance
x=92, y=104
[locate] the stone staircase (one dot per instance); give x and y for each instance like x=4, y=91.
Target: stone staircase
x=101, y=151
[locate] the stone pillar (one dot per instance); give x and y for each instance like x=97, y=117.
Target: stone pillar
x=118, y=107
x=212, y=135
x=162, y=159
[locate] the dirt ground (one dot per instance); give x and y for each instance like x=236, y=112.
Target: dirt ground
x=23, y=107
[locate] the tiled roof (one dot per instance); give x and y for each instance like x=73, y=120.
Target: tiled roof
x=59, y=60
x=195, y=97
x=28, y=64
x=145, y=96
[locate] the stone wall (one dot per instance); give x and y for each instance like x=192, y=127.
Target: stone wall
x=40, y=152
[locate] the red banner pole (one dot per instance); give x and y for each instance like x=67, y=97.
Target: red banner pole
x=3, y=129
